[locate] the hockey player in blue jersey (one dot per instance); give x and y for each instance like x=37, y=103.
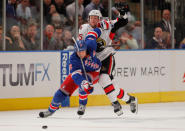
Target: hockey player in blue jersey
x=77, y=78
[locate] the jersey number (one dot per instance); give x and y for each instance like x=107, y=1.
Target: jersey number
x=80, y=37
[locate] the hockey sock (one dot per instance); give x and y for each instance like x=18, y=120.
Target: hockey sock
x=57, y=100
x=108, y=87
x=82, y=98
x=123, y=95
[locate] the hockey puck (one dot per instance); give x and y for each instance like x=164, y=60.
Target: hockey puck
x=44, y=127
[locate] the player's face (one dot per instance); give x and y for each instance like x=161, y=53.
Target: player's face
x=93, y=21
x=81, y=54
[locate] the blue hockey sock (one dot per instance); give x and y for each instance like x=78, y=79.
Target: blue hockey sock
x=82, y=98
x=57, y=100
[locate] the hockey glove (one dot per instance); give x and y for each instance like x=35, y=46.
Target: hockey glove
x=104, y=25
x=122, y=7
x=87, y=87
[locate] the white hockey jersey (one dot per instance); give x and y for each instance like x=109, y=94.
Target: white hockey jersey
x=85, y=28
x=105, y=35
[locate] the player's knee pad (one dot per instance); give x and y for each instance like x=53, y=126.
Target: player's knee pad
x=106, y=83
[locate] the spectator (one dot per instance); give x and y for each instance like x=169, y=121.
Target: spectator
x=35, y=9
x=94, y=5
x=70, y=10
x=15, y=41
x=1, y=40
x=182, y=44
x=134, y=29
x=165, y=22
x=52, y=10
x=10, y=13
x=11, y=8
x=24, y=15
x=23, y=11
x=104, y=8
x=57, y=43
x=56, y=20
x=31, y=41
x=156, y=42
x=86, y=2
x=46, y=5
x=127, y=41
x=80, y=22
x=166, y=38
x=60, y=7
x=68, y=40
x=48, y=36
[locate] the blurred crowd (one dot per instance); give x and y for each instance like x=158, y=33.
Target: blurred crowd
x=23, y=26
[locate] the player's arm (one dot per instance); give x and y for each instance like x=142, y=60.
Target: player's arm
x=91, y=38
x=122, y=19
x=80, y=80
x=76, y=70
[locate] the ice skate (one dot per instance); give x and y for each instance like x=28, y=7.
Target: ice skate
x=81, y=110
x=117, y=108
x=133, y=104
x=45, y=114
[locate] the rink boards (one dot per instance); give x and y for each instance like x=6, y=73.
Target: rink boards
x=28, y=80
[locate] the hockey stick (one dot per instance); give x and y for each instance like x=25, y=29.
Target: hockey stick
x=81, y=60
x=112, y=45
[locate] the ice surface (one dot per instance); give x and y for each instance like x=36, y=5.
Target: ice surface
x=150, y=117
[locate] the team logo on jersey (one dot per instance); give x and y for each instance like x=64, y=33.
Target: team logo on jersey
x=101, y=41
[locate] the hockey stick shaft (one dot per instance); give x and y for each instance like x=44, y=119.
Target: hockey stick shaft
x=81, y=59
x=113, y=45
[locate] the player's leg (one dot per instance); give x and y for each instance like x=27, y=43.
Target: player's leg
x=106, y=82
x=129, y=99
x=93, y=78
x=107, y=67
x=109, y=90
x=82, y=102
x=67, y=88
x=58, y=97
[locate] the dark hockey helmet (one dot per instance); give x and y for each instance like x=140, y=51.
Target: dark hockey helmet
x=80, y=45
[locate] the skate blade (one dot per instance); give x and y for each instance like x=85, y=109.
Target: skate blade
x=119, y=113
x=80, y=116
x=136, y=102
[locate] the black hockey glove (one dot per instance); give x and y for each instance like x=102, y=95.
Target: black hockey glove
x=122, y=7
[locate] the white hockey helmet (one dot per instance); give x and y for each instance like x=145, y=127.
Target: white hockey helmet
x=95, y=13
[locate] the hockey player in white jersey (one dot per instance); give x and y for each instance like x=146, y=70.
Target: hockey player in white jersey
x=105, y=54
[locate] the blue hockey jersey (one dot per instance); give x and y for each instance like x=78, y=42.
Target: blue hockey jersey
x=91, y=62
